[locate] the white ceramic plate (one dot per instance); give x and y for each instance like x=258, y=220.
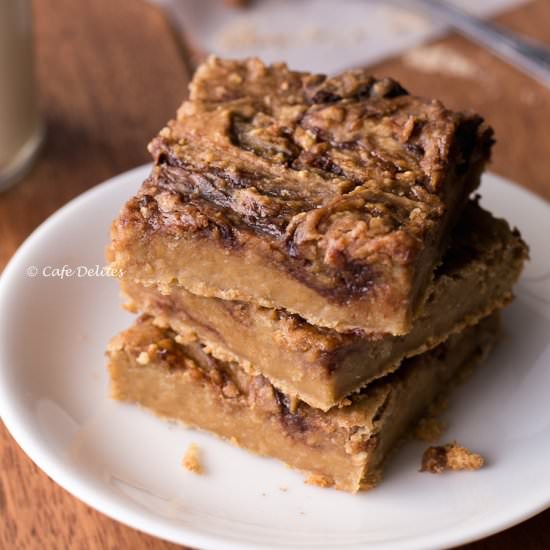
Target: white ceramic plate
x=126, y=463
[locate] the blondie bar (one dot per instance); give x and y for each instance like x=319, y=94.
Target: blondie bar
x=344, y=447
x=331, y=198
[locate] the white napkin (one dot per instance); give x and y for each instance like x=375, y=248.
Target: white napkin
x=315, y=35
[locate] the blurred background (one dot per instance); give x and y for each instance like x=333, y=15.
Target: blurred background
x=85, y=85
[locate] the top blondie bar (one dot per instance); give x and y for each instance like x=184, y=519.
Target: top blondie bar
x=331, y=198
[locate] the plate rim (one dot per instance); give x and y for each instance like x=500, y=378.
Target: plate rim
x=45, y=458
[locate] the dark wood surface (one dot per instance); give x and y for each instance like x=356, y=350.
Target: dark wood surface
x=110, y=74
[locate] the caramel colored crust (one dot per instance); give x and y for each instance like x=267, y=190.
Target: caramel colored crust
x=321, y=366
x=339, y=191
x=345, y=447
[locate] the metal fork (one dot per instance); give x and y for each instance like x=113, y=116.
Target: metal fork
x=528, y=55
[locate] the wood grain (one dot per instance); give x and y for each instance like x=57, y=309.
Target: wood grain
x=110, y=74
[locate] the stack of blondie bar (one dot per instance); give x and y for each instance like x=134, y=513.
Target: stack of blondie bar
x=308, y=264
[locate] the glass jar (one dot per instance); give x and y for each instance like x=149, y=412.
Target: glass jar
x=21, y=128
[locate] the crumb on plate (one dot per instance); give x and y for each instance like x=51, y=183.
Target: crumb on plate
x=191, y=460
x=452, y=456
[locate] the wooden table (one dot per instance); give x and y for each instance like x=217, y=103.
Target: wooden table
x=110, y=74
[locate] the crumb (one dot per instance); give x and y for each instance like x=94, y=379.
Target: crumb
x=450, y=457
x=429, y=429
x=191, y=460
x=319, y=480
x=283, y=489
x=441, y=59
x=263, y=494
